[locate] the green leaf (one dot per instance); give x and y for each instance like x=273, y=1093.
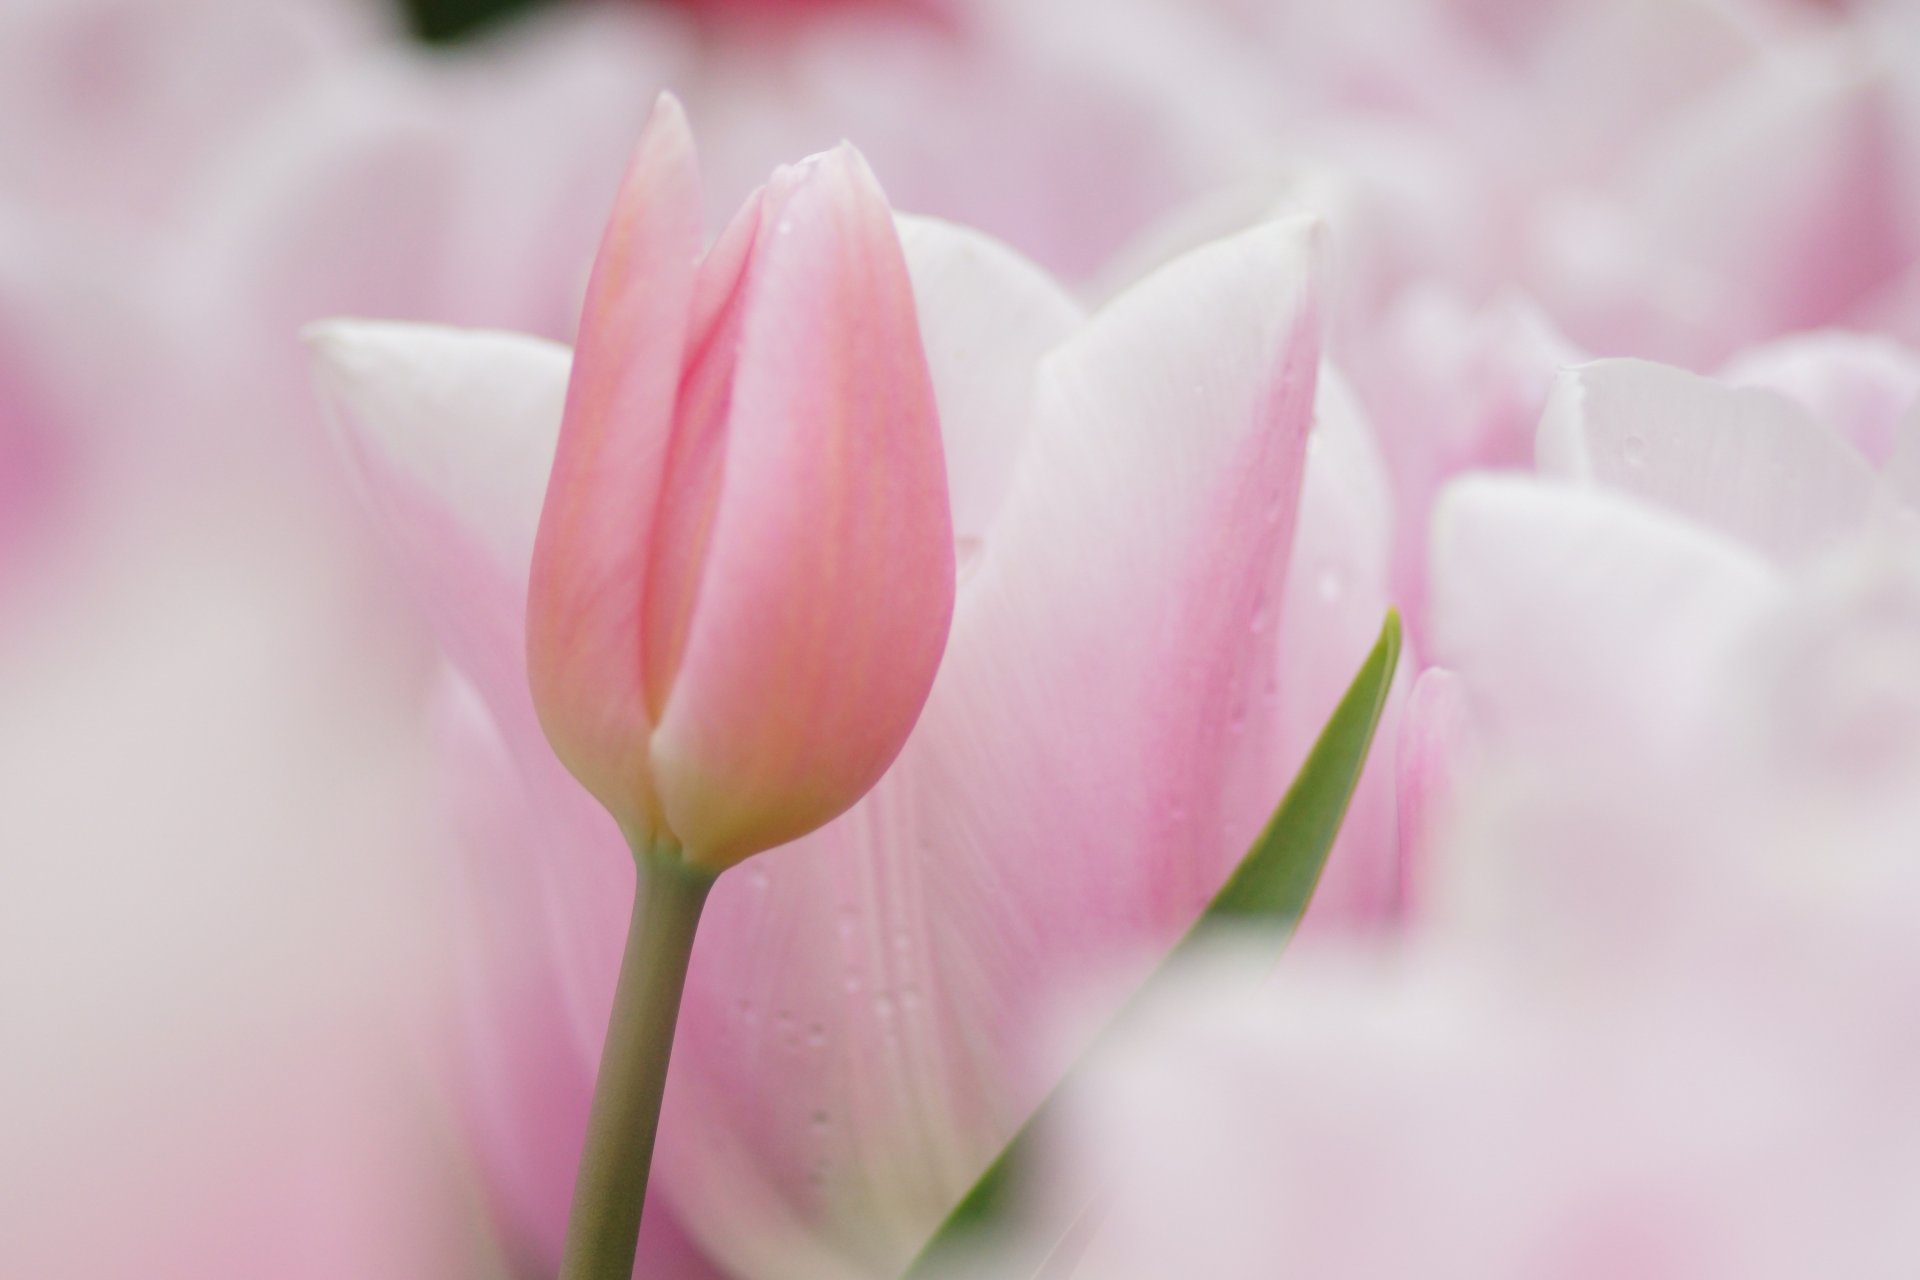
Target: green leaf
x=1271, y=887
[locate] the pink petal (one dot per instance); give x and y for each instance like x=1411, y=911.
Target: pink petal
x=584, y=637
x=827, y=589
x=684, y=523
x=855, y=1044
x=522, y=1074
x=1334, y=597
x=1776, y=196
x=1903, y=469
x=1452, y=389
x=1435, y=736
x=451, y=433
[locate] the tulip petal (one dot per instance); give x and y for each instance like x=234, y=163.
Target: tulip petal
x=849, y=1056
x=987, y=316
x=468, y=416
x=825, y=600
x=1189, y=397
x=585, y=646
x=523, y=1077
x=1773, y=198
x=1333, y=592
x=1749, y=463
x=1561, y=606
x=683, y=526
x=1860, y=384
x=451, y=433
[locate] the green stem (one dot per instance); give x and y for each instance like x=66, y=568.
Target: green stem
x=603, y=1230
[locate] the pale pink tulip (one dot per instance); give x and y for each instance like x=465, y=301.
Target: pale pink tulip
x=744, y=573
x=1152, y=623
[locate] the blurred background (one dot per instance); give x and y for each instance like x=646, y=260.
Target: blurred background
x=233, y=954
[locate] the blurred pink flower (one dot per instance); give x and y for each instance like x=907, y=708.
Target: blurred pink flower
x=1815, y=444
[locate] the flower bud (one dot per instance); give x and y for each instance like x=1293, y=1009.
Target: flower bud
x=744, y=572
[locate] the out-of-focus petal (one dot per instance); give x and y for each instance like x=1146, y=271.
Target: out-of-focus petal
x=116, y=107
x=1568, y=610
x=1859, y=384
x=1772, y=205
x=1903, y=468
x=1435, y=735
x=468, y=417
x=1333, y=588
x=522, y=1076
x=451, y=433
x=1750, y=463
x=1452, y=389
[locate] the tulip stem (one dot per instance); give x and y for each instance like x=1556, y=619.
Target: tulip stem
x=603, y=1229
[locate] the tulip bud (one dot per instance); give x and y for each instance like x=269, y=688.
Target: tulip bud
x=744, y=572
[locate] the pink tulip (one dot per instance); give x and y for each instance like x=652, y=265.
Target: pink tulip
x=1153, y=619
x=744, y=573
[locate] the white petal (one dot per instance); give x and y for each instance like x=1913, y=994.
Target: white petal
x=987, y=315
x=1859, y=384
x=1584, y=614
x=468, y=416
x=1750, y=463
